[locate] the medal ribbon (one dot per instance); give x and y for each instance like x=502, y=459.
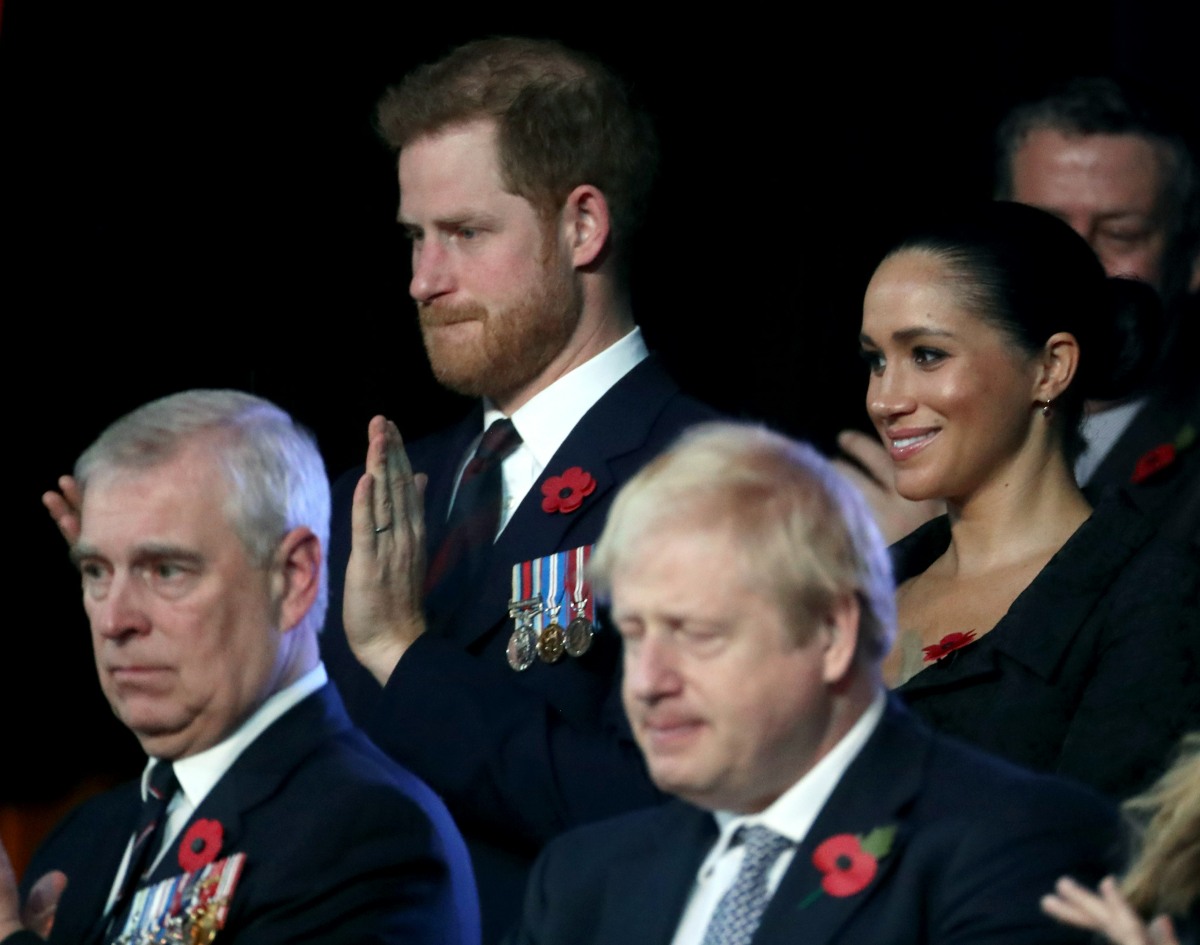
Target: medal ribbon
x=576, y=567
x=550, y=568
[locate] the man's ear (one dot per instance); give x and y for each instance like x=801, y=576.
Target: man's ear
x=1058, y=363
x=298, y=576
x=586, y=224
x=839, y=631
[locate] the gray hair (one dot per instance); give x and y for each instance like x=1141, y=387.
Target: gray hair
x=275, y=473
x=806, y=532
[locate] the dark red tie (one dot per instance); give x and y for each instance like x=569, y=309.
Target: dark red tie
x=474, y=518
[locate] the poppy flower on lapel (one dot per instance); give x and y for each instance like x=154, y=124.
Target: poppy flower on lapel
x=947, y=644
x=566, y=493
x=847, y=867
x=1155, y=460
x=201, y=844
x=849, y=862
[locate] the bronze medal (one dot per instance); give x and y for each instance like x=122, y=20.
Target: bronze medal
x=578, y=638
x=550, y=644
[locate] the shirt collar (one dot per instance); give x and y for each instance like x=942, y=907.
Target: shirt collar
x=795, y=810
x=546, y=420
x=198, y=774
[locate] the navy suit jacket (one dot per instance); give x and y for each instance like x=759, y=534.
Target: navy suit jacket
x=1171, y=497
x=341, y=844
x=518, y=757
x=977, y=843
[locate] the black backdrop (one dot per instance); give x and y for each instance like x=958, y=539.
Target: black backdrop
x=192, y=195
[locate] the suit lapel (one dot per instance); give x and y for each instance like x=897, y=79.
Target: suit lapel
x=617, y=425
x=646, y=896
x=439, y=458
x=1065, y=592
x=876, y=791
x=1158, y=421
x=91, y=881
x=258, y=773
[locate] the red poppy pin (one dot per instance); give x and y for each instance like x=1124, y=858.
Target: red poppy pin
x=947, y=644
x=1155, y=460
x=200, y=844
x=566, y=493
x=849, y=862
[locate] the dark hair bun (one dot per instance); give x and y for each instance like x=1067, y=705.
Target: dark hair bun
x=1121, y=345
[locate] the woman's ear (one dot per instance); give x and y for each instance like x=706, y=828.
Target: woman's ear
x=1059, y=361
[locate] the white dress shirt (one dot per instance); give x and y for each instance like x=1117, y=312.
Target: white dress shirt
x=1101, y=431
x=198, y=774
x=548, y=418
x=791, y=815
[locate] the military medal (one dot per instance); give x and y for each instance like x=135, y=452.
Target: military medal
x=522, y=645
x=578, y=637
x=541, y=590
x=550, y=640
x=189, y=909
x=524, y=607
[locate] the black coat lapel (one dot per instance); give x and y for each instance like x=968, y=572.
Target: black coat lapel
x=79, y=920
x=876, y=791
x=646, y=896
x=616, y=426
x=1065, y=592
x=260, y=771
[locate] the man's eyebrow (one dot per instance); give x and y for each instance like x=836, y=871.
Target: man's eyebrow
x=1109, y=215
x=463, y=217
x=149, y=551
x=79, y=551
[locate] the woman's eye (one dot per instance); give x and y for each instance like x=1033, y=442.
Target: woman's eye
x=873, y=360
x=926, y=357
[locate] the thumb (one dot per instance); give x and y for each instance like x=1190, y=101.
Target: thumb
x=42, y=904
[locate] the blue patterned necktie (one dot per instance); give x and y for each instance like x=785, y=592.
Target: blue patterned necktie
x=740, y=910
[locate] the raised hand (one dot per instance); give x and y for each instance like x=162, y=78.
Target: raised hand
x=1107, y=912
x=38, y=914
x=382, y=611
x=895, y=515
x=64, y=506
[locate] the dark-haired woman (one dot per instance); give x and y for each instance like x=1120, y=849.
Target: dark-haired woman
x=1060, y=637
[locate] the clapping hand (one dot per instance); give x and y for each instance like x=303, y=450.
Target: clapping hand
x=1107, y=912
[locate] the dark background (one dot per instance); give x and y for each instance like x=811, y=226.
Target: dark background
x=192, y=195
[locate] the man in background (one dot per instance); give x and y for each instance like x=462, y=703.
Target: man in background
x=1122, y=175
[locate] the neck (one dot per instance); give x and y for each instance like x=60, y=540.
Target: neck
x=1017, y=515
x=605, y=319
